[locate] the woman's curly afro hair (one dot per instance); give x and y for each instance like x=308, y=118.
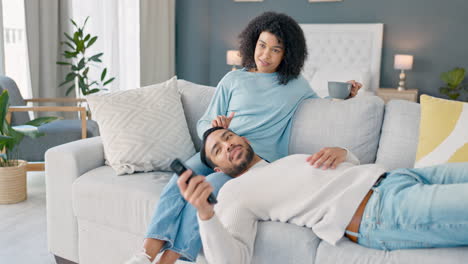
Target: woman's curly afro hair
x=288, y=32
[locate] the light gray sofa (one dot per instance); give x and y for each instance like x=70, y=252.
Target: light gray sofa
x=94, y=216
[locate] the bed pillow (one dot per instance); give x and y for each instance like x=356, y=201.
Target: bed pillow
x=443, y=132
x=142, y=129
x=321, y=77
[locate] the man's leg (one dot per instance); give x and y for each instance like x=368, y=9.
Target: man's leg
x=443, y=174
x=166, y=220
x=404, y=213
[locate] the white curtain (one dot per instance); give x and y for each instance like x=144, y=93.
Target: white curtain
x=2, y=54
x=116, y=23
x=136, y=37
x=45, y=23
x=157, y=35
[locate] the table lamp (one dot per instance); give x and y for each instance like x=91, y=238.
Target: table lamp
x=403, y=62
x=233, y=58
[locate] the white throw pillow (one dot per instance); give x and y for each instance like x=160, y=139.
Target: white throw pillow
x=321, y=77
x=142, y=129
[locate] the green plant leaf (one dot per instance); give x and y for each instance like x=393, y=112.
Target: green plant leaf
x=80, y=47
x=95, y=90
x=68, y=37
x=71, y=88
x=4, y=97
x=63, y=63
x=86, y=20
x=454, y=77
x=73, y=22
x=17, y=137
x=454, y=96
x=69, y=54
x=42, y=120
x=76, y=37
x=70, y=76
x=87, y=37
x=96, y=57
x=103, y=74
x=30, y=131
x=83, y=86
x=68, y=44
x=108, y=81
x=4, y=140
x=444, y=90
x=85, y=72
x=65, y=82
x=81, y=64
x=91, y=42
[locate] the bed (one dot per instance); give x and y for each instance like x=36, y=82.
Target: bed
x=341, y=52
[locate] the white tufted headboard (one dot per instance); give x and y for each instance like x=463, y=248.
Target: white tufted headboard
x=340, y=52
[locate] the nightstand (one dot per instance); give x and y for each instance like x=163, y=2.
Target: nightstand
x=388, y=94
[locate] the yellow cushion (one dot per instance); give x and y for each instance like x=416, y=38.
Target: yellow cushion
x=443, y=132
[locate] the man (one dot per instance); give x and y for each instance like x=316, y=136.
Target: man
x=405, y=208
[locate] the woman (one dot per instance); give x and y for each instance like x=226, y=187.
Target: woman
x=257, y=102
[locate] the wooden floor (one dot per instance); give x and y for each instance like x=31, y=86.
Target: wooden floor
x=23, y=234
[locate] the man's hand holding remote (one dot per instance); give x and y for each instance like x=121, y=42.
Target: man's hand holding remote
x=196, y=192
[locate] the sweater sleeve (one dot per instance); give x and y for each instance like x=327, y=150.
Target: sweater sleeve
x=351, y=158
x=229, y=236
x=309, y=92
x=218, y=106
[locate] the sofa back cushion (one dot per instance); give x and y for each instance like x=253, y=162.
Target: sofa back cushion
x=353, y=124
x=400, y=132
x=195, y=100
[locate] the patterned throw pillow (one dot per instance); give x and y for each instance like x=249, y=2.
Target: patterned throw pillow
x=143, y=129
x=443, y=132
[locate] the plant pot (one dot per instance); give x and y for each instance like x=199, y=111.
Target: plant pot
x=13, y=183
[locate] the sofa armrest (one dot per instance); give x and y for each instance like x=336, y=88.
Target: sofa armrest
x=63, y=165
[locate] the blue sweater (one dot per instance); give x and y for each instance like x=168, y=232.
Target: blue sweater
x=263, y=109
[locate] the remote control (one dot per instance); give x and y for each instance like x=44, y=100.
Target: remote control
x=179, y=167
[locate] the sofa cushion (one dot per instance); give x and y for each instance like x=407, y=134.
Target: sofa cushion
x=347, y=252
x=443, y=134
x=142, y=129
x=195, y=99
x=353, y=124
x=284, y=243
x=125, y=203
x=399, y=138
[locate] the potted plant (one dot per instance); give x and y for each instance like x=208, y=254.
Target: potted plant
x=12, y=170
x=80, y=63
x=453, y=80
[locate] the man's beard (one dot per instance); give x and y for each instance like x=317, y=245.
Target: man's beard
x=236, y=170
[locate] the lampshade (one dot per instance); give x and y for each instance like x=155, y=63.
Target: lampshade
x=403, y=62
x=233, y=57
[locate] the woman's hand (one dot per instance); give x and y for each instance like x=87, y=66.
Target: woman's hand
x=196, y=192
x=355, y=86
x=328, y=158
x=222, y=121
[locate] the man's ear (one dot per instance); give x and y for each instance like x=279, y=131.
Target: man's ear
x=217, y=169
x=244, y=138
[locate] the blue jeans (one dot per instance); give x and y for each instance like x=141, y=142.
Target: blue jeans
x=175, y=220
x=418, y=208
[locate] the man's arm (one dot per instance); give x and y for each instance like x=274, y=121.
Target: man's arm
x=227, y=239
x=332, y=157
